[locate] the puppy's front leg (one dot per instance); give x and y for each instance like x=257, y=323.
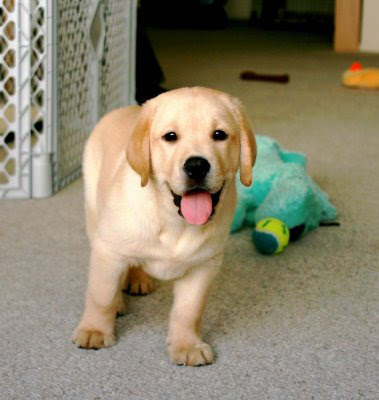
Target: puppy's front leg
x=185, y=344
x=103, y=301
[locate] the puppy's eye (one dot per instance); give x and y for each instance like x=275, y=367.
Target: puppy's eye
x=219, y=135
x=170, y=137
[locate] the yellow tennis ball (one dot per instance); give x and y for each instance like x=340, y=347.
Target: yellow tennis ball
x=271, y=236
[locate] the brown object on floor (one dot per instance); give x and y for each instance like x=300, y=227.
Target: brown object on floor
x=254, y=76
x=347, y=25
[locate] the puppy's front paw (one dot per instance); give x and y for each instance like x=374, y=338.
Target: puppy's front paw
x=92, y=339
x=194, y=355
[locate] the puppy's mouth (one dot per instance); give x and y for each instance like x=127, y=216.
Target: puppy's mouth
x=197, y=205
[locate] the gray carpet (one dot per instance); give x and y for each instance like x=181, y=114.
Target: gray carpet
x=302, y=325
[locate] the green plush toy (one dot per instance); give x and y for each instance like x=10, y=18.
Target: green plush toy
x=282, y=189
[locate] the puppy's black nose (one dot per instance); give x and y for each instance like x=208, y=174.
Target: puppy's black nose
x=196, y=168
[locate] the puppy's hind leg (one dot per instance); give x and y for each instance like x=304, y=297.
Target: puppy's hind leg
x=138, y=282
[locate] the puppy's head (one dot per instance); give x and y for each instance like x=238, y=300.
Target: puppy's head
x=192, y=141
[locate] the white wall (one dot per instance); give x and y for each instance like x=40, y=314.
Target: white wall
x=370, y=26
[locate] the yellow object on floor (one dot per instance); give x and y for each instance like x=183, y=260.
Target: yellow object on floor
x=358, y=77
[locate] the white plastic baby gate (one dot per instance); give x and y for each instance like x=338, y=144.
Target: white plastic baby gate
x=63, y=64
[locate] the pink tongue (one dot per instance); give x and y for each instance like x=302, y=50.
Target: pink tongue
x=196, y=207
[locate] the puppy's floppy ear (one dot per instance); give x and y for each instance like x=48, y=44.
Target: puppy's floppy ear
x=248, y=150
x=138, y=150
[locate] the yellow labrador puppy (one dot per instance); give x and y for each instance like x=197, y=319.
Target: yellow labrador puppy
x=160, y=196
